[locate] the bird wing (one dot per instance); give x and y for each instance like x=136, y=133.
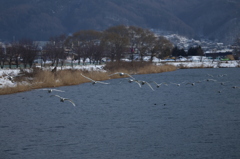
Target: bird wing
x=128, y=79
x=71, y=102
x=44, y=89
x=150, y=85
x=154, y=82
x=55, y=95
x=114, y=73
x=224, y=82
x=165, y=83
x=212, y=80
x=101, y=82
x=129, y=75
x=210, y=75
x=123, y=74
x=58, y=90
x=5, y=73
x=138, y=83
x=88, y=78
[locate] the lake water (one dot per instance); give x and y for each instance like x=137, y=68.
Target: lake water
x=123, y=121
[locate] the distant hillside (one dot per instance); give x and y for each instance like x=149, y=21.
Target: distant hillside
x=41, y=19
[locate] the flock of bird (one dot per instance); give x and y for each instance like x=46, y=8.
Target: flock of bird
x=140, y=83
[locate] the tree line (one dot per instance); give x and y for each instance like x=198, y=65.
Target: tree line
x=114, y=43
x=192, y=51
x=24, y=52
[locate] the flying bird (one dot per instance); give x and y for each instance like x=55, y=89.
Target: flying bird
x=222, y=75
x=63, y=99
x=51, y=90
x=178, y=84
x=9, y=77
x=145, y=82
x=221, y=90
x=158, y=85
x=122, y=74
x=130, y=80
x=191, y=84
x=211, y=80
x=93, y=81
x=235, y=87
x=209, y=75
x=223, y=83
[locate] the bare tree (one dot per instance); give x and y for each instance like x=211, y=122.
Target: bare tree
x=165, y=47
x=29, y=51
x=146, y=44
x=85, y=43
x=2, y=55
x=54, y=50
x=117, y=38
x=12, y=53
x=137, y=36
x=78, y=50
x=44, y=56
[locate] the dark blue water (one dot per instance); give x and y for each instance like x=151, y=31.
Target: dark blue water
x=123, y=121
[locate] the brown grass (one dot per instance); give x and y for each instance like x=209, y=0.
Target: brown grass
x=156, y=69
x=43, y=78
x=137, y=67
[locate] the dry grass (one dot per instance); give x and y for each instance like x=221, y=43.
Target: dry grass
x=16, y=89
x=138, y=67
x=43, y=79
x=156, y=69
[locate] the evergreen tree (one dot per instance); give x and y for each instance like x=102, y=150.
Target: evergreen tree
x=182, y=52
x=200, y=51
x=195, y=51
x=175, y=51
x=192, y=51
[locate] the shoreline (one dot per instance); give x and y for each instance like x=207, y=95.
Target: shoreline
x=38, y=78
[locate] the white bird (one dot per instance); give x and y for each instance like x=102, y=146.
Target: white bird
x=220, y=91
x=235, y=87
x=222, y=83
x=51, y=90
x=158, y=85
x=210, y=75
x=93, y=81
x=191, y=84
x=122, y=74
x=10, y=78
x=63, y=99
x=145, y=82
x=222, y=75
x=178, y=84
x=130, y=80
x=211, y=80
